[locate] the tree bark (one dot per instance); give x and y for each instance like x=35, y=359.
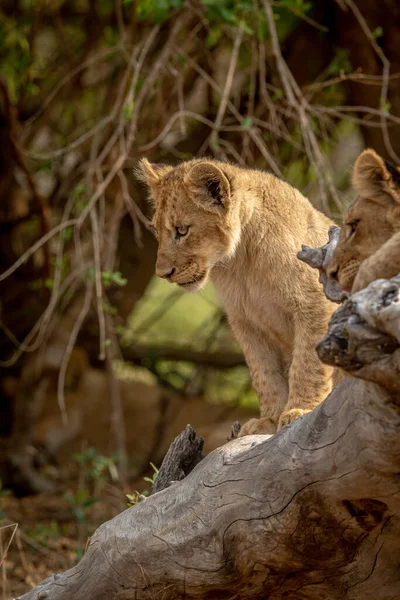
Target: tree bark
x=312, y=512
x=318, y=258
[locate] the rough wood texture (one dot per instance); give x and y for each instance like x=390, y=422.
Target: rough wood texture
x=318, y=258
x=312, y=512
x=183, y=455
x=364, y=335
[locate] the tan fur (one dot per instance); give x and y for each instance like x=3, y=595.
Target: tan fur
x=245, y=228
x=369, y=243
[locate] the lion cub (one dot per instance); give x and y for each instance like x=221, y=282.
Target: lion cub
x=369, y=243
x=242, y=228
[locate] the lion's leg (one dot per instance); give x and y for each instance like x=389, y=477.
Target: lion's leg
x=310, y=381
x=268, y=379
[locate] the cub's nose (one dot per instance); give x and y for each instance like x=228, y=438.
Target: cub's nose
x=169, y=275
x=164, y=273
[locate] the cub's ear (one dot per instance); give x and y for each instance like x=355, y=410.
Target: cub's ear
x=375, y=179
x=151, y=174
x=208, y=186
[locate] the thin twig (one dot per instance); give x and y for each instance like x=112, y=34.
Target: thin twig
x=40, y=201
x=3, y=528
x=43, y=240
x=227, y=89
x=68, y=350
x=117, y=415
x=98, y=283
x=385, y=75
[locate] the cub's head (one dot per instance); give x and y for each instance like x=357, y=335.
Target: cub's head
x=371, y=220
x=195, y=220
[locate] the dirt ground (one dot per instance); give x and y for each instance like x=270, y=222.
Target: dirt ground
x=48, y=533
x=43, y=534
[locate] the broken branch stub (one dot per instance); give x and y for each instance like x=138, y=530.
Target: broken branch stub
x=183, y=455
x=318, y=258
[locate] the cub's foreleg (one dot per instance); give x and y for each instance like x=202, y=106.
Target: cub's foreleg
x=267, y=375
x=310, y=381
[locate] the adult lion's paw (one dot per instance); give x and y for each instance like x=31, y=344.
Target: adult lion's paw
x=289, y=416
x=257, y=426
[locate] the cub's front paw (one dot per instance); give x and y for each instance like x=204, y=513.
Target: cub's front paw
x=257, y=426
x=289, y=416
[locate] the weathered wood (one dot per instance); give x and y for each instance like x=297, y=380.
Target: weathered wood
x=310, y=513
x=364, y=335
x=318, y=258
x=183, y=455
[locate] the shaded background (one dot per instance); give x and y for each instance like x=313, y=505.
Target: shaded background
x=102, y=364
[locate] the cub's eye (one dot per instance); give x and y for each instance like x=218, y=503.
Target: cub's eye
x=181, y=231
x=352, y=228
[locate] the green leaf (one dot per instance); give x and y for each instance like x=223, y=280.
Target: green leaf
x=49, y=284
x=246, y=123
x=128, y=111
x=116, y=277
x=67, y=234
x=377, y=33
x=340, y=62
x=385, y=105
x=213, y=36
x=156, y=471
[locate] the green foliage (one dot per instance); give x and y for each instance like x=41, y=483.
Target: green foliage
x=385, y=105
x=93, y=469
x=128, y=111
x=288, y=14
x=15, y=59
x=377, y=33
x=80, y=196
x=155, y=11
x=109, y=309
x=136, y=496
x=79, y=502
x=296, y=172
x=95, y=465
x=340, y=63
x=104, y=8
x=44, y=532
x=246, y=123
x=67, y=233
x=110, y=277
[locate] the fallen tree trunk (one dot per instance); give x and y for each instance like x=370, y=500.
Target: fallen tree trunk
x=312, y=512
x=142, y=355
